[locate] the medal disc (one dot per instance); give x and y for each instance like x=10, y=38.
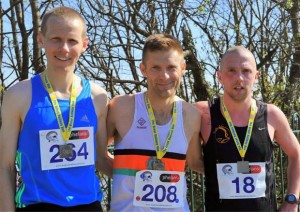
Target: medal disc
x=243, y=167
x=65, y=151
x=154, y=163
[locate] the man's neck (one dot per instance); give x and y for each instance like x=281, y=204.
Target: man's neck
x=162, y=108
x=60, y=81
x=239, y=111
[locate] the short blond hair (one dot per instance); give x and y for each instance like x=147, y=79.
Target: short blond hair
x=64, y=13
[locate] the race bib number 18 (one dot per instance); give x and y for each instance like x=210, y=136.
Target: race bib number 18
x=235, y=185
x=81, y=144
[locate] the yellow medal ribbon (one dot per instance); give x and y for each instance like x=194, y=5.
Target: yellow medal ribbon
x=160, y=152
x=65, y=132
x=242, y=150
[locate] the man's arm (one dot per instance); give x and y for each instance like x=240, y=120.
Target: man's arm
x=284, y=136
x=194, y=155
x=104, y=160
x=11, y=112
x=110, y=121
x=120, y=117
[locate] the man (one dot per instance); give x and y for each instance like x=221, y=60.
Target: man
x=152, y=131
x=238, y=133
x=50, y=127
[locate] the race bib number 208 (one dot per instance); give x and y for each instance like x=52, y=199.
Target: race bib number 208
x=159, y=189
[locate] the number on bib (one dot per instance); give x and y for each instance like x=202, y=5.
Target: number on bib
x=81, y=152
x=160, y=193
x=248, y=186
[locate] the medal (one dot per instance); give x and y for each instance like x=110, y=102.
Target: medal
x=65, y=151
x=154, y=163
x=243, y=167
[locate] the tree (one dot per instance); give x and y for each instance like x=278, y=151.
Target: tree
x=117, y=30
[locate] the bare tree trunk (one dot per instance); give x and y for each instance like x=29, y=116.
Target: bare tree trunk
x=37, y=61
x=200, y=86
x=292, y=91
x=24, y=36
x=295, y=68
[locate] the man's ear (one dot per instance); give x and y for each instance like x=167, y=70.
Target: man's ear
x=183, y=68
x=219, y=75
x=40, y=39
x=143, y=69
x=257, y=75
x=85, y=44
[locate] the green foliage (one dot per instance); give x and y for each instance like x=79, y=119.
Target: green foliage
x=289, y=4
x=202, y=8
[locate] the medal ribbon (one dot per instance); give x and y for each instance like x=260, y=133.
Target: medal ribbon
x=242, y=150
x=65, y=132
x=160, y=152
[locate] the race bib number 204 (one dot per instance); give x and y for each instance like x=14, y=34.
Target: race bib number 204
x=81, y=143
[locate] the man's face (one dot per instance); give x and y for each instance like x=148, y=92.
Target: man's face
x=237, y=75
x=63, y=43
x=163, y=70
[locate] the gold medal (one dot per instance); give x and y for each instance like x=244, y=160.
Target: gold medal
x=154, y=163
x=65, y=151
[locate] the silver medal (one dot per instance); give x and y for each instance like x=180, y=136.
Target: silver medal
x=65, y=151
x=243, y=167
x=154, y=163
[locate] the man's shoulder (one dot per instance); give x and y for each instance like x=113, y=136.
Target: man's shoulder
x=191, y=114
x=274, y=111
x=17, y=98
x=97, y=89
x=123, y=99
x=189, y=108
x=121, y=107
x=20, y=89
x=202, y=106
x=99, y=97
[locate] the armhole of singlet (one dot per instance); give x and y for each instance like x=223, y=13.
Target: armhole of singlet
x=137, y=96
x=179, y=103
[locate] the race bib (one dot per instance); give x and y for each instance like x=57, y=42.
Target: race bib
x=234, y=185
x=79, y=151
x=159, y=189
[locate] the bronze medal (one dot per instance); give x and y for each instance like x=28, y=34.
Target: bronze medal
x=243, y=167
x=65, y=151
x=154, y=163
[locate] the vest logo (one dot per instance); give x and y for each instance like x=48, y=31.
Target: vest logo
x=221, y=134
x=85, y=118
x=255, y=169
x=141, y=123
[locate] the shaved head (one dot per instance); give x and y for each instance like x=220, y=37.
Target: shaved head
x=238, y=51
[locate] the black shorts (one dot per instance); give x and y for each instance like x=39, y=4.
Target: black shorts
x=95, y=206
